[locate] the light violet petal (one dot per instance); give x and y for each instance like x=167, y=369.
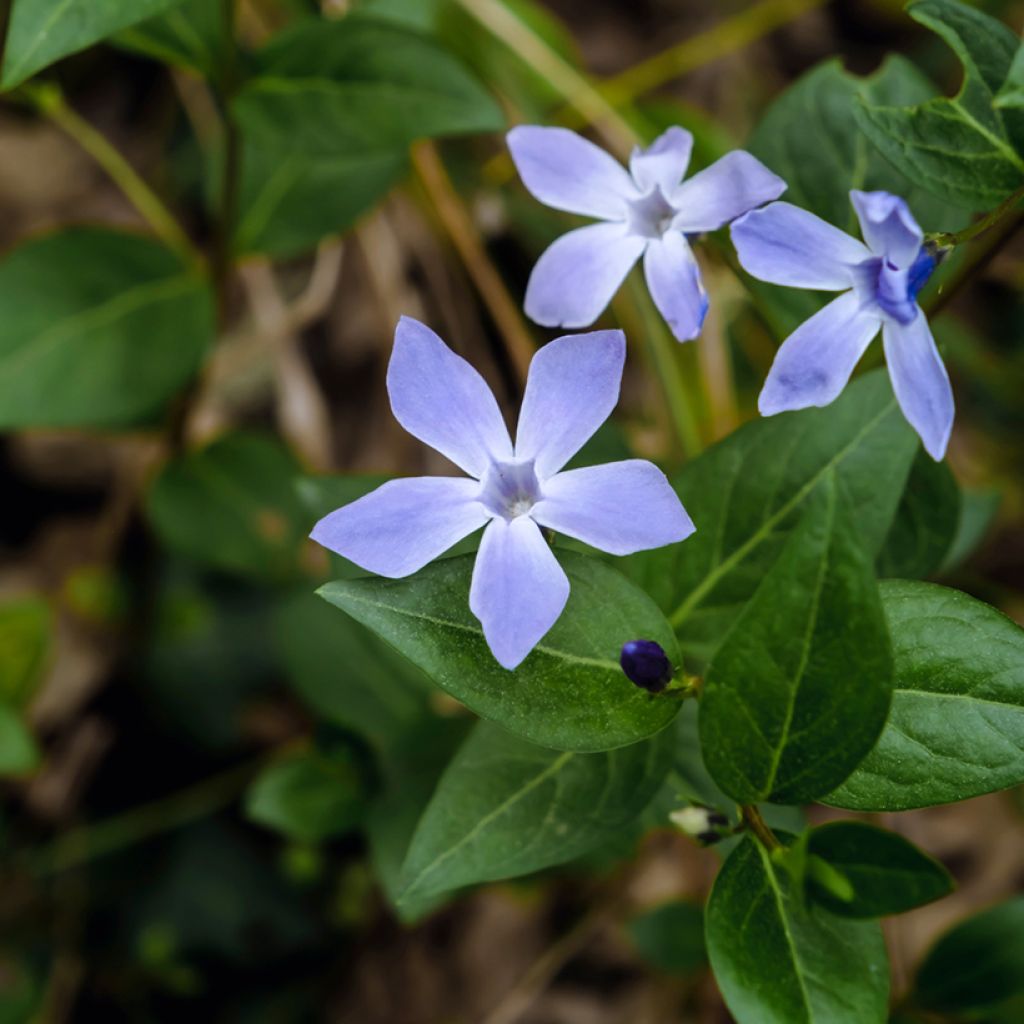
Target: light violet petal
x=888, y=226
x=720, y=193
x=663, y=162
x=920, y=382
x=571, y=389
x=565, y=171
x=785, y=245
x=578, y=274
x=439, y=398
x=404, y=524
x=673, y=279
x=518, y=589
x=620, y=507
x=816, y=360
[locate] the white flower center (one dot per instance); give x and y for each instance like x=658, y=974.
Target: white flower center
x=510, y=489
x=651, y=215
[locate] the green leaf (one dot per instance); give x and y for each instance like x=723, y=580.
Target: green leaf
x=190, y=35
x=359, y=86
x=19, y=754
x=810, y=137
x=956, y=728
x=43, y=31
x=746, y=492
x=233, y=506
x=977, y=511
x=308, y=796
x=962, y=149
x=345, y=674
x=505, y=807
x=1011, y=94
x=570, y=693
x=778, y=962
x=799, y=690
x=101, y=328
x=926, y=522
x=887, y=874
x=671, y=937
x=977, y=965
x=26, y=624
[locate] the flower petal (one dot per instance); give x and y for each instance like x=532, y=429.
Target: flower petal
x=673, y=279
x=403, y=524
x=720, y=193
x=620, y=507
x=439, y=398
x=920, y=381
x=786, y=245
x=578, y=274
x=564, y=170
x=816, y=360
x=888, y=226
x=663, y=162
x=518, y=589
x=571, y=389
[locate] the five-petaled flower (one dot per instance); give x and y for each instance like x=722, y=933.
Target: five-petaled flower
x=647, y=211
x=518, y=588
x=880, y=281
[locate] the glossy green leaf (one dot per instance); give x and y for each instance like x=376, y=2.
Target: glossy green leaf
x=926, y=522
x=233, y=506
x=671, y=937
x=505, y=807
x=956, y=728
x=359, y=86
x=18, y=751
x=26, y=624
x=101, y=328
x=308, y=796
x=962, y=149
x=570, y=693
x=886, y=873
x=799, y=690
x=43, y=31
x=779, y=962
x=977, y=965
x=189, y=35
x=1011, y=93
x=746, y=492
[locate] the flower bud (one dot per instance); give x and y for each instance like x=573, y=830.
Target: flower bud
x=702, y=823
x=646, y=664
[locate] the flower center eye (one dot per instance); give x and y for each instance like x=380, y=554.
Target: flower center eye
x=510, y=489
x=651, y=215
x=894, y=289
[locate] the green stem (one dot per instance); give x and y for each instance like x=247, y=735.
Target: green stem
x=950, y=239
x=752, y=819
x=50, y=102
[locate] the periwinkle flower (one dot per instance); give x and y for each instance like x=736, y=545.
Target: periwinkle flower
x=646, y=665
x=880, y=281
x=645, y=212
x=518, y=588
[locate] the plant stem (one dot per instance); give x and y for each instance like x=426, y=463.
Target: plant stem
x=950, y=239
x=50, y=102
x=752, y=819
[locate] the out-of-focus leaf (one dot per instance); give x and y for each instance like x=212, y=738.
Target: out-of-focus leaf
x=101, y=328
x=22, y=990
x=799, y=690
x=962, y=149
x=569, y=693
x=308, y=796
x=43, y=31
x=926, y=522
x=26, y=624
x=977, y=511
x=956, y=728
x=19, y=754
x=190, y=35
x=505, y=807
x=233, y=506
x=671, y=937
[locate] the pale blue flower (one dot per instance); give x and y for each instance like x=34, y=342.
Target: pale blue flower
x=646, y=212
x=518, y=589
x=880, y=281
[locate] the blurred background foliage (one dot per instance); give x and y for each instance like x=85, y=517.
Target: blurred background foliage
x=214, y=215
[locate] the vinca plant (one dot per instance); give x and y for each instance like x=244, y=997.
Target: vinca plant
x=504, y=492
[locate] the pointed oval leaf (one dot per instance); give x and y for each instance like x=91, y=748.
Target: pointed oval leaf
x=956, y=728
x=799, y=690
x=778, y=962
x=505, y=807
x=570, y=693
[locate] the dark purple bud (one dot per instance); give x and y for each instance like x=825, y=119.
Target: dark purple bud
x=646, y=664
